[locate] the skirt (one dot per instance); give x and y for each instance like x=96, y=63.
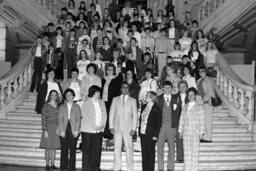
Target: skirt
x=53, y=140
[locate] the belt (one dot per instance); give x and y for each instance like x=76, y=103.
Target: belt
x=77, y=101
x=206, y=102
x=161, y=52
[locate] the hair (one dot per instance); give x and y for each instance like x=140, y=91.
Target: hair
x=64, y=9
x=150, y=71
x=177, y=44
x=70, y=2
x=202, y=68
x=207, y=45
x=183, y=82
x=188, y=67
x=92, y=90
x=92, y=5
x=173, y=22
x=110, y=65
x=75, y=70
x=168, y=57
x=104, y=38
x=125, y=83
x=200, y=30
x=147, y=54
x=167, y=83
x=172, y=66
x=49, y=97
x=153, y=95
x=195, y=22
x=67, y=91
x=191, y=46
x=92, y=65
x=80, y=54
x=48, y=71
x=192, y=89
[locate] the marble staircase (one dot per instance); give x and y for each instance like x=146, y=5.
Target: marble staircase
x=232, y=147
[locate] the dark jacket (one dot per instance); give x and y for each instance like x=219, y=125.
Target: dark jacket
x=154, y=121
x=175, y=100
x=40, y=99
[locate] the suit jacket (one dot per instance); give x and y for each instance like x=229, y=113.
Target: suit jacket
x=123, y=119
x=88, y=116
x=75, y=118
x=54, y=59
x=33, y=50
x=176, y=111
x=154, y=122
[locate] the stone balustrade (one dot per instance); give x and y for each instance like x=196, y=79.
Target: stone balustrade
x=54, y=6
x=208, y=7
x=15, y=83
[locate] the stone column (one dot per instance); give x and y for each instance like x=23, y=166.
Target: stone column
x=2, y=41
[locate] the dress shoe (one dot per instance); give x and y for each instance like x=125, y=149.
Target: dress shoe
x=169, y=170
x=53, y=168
x=205, y=141
x=47, y=168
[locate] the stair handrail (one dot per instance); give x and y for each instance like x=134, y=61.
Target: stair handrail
x=54, y=6
x=207, y=8
x=15, y=82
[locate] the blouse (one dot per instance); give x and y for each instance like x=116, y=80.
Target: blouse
x=49, y=115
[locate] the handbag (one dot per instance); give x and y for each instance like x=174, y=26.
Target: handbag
x=216, y=101
x=211, y=72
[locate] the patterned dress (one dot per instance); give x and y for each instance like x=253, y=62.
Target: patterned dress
x=50, y=124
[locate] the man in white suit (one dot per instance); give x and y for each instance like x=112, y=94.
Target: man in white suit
x=122, y=124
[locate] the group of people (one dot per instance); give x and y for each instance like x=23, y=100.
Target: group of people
x=129, y=74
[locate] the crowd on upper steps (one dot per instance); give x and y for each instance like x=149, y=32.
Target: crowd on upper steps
x=130, y=76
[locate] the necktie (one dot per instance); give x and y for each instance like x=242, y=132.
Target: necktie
x=167, y=100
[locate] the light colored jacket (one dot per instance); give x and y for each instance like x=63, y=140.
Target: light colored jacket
x=88, y=123
x=123, y=118
x=75, y=118
x=208, y=88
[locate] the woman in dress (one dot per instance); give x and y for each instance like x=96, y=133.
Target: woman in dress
x=82, y=64
x=188, y=76
x=201, y=40
x=210, y=55
x=69, y=127
x=185, y=42
x=149, y=128
x=191, y=129
x=50, y=141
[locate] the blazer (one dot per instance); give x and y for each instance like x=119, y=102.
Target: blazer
x=33, y=50
x=123, y=122
x=208, y=88
x=54, y=60
x=196, y=120
x=40, y=99
x=75, y=118
x=175, y=101
x=154, y=122
x=88, y=116
x=138, y=55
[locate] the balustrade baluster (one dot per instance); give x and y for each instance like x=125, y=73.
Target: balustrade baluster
x=241, y=100
x=20, y=82
x=250, y=105
x=29, y=72
x=235, y=97
x=221, y=81
x=9, y=91
x=230, y=91
x=2, y=95
x=25, y=82
x=15, y=87
x=218, y=76
x=225, y=86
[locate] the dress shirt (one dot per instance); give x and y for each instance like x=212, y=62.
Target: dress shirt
x=98, y=112
x=124, y=97
x=50, y=58
x=167, y=98
x=69, y=109
x=183, y=97
x=134, y=52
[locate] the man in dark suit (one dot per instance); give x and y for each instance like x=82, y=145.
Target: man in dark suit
x=171, y=108
x=183, y=86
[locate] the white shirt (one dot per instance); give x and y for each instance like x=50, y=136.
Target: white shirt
x=171, y=33
x=137, y=36
x=134, y=52
x=75, y=86
x=52, y=86
x=210, y=56
x=59, y=41
x=167, y=98
x=98, y=113
x=125, y=98
x=183, y=97
x=69, y=109
x=38, y=51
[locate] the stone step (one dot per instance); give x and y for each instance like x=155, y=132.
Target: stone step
x=109, y=155
x=203, y=165
x=220, y=146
